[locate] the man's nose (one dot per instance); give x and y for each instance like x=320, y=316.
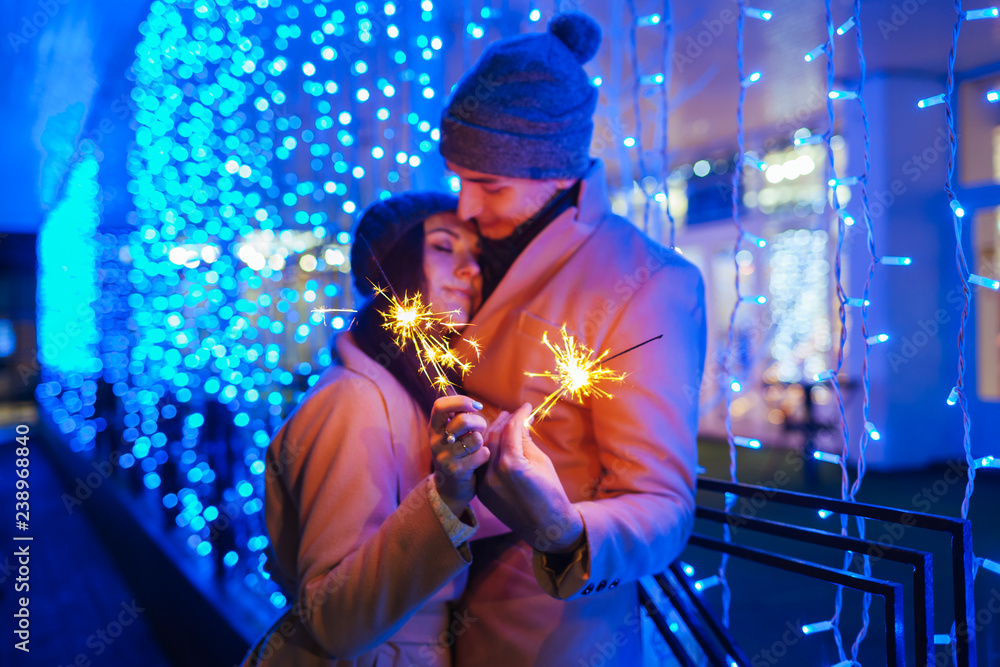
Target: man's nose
x=468, y=268
x=469, y=203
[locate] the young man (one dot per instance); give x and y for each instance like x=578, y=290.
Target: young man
x=601, y=492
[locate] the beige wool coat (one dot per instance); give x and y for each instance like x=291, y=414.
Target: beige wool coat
x=355, y=536
x=627, y=462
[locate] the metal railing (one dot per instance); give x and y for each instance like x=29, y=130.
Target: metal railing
x=717, y=643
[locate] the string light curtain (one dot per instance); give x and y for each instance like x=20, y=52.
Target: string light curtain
x=734, y=385
x=967, y=278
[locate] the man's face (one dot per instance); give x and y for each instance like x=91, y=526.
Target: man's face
x=498, y=204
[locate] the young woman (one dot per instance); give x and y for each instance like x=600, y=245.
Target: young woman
x=369, y=481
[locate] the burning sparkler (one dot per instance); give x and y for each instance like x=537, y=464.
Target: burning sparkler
x=577, y=371
x=411, y=321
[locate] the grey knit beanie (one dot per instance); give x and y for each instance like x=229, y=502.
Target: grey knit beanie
x=383, y=224
x=525, y=110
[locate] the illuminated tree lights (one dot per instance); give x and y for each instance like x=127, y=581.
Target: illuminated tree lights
x=262, y=128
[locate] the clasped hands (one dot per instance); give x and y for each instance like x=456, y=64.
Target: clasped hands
x=499, y=462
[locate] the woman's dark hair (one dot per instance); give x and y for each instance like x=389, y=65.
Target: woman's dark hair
x=388, y=251
x=404, y=269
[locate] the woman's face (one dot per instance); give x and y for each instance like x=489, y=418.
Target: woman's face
x=451, y=268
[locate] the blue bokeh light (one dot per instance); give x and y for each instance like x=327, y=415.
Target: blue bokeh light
x=249, y=166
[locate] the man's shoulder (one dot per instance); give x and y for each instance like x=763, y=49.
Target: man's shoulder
x=618, y=244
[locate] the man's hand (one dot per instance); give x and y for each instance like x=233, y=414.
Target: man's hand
x=520, y=486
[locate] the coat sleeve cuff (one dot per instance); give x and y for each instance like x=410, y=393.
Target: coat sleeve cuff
x=571, y=578
x=459, y=530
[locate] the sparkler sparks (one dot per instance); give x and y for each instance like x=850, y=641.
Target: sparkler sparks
x=577, y=372
x=411, y=321
x=334, y=310
x=324, y=311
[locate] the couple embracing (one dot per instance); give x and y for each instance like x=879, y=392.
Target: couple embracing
x=415, y=530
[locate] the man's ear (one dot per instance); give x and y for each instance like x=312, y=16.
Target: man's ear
x=565, y=183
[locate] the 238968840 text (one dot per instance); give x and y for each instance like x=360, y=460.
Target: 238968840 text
x=22, y=539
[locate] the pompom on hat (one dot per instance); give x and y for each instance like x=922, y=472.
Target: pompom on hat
x=579, y=32
x=525, y=109
x=381, y=227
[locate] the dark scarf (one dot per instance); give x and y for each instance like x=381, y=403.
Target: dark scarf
x=499, y=254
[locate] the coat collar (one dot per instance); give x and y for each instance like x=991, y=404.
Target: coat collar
x=594, y=205
x=543, y=257
x=356, y=360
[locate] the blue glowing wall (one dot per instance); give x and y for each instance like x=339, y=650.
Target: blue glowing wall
x=67, y=278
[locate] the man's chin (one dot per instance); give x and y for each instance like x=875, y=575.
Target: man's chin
x=496, y=231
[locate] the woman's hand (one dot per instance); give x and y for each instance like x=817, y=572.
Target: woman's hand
x=521, y=487
x=455, y=462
